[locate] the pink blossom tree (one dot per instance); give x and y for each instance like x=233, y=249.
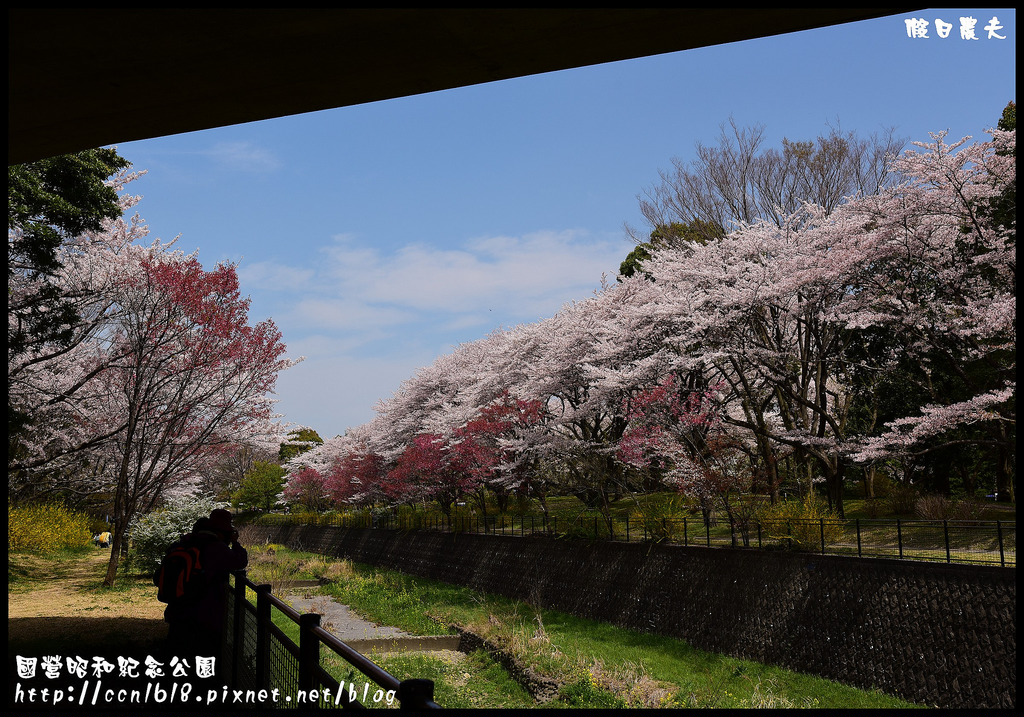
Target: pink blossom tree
x=165, y=373
x=425, y=471
x=308, y=488
x=356, y=476
x=749, y=319
x=678, y=430
x=481, y=450
x=775, y=309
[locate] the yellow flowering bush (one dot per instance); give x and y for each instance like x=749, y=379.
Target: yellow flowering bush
x=45, y=527
x=662, y=519
x=802, y=523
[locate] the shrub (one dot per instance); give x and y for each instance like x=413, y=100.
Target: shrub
x=661, y=518
x=582, y=526
x=801, y=523
x=873, y=507
x=153, y=533
x=937, y=507
x=932, y=507
x=902, y=499
x=966, y=509
x=46, y=527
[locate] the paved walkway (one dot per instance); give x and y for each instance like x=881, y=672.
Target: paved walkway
x=365, y=636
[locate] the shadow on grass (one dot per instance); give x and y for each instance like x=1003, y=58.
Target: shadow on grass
x=81, y=635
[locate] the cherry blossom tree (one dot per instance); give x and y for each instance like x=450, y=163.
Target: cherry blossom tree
x=425, y=471
x=481, y=449
x=772, y=308
x=746, y=321
x=938, y=279
x=308, y=488
x=678, y=430
x=356, y=476
x=582, y=416
x=50, y=380
x=50, y=202
x=164, y=374
x=784, y=327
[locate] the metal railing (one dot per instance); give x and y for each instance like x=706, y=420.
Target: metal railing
x=264, y=660
x=990, y=542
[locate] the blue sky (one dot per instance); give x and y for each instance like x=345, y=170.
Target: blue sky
x=380, y=236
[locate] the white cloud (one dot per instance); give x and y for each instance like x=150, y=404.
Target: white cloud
x=408, y=305
x=516, y=275
x=345, y=314
x=334, y=392
x=243, y=157
x=267, y=275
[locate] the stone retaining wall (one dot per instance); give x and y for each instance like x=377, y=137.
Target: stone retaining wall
x=936, y=634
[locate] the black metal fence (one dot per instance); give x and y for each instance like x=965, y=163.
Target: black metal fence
x=285, y=674
x=990, y=542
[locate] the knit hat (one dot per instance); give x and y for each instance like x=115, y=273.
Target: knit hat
x=220, y=520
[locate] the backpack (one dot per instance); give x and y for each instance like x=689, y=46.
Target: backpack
x=180, y=575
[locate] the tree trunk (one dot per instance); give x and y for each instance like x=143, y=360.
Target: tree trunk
x=869, y=481
x=834, y=483
x=1004, y=475
x=118, y=547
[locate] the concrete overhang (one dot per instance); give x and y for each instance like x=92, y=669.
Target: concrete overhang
x=86, y=78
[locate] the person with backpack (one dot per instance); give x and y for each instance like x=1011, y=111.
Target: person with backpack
x=180, y=580
x=193, y=581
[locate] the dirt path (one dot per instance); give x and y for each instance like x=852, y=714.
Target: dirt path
x=69, y=609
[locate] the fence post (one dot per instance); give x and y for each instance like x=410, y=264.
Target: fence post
x=858, y=538
x=309, y=651
x=686, y=534
x=263, y=621
x=415, y=694
x=899, y=537
x=236, y=626
x=707, y=529
x=999, y=532
x=821, y=522
x=945, y=532
x=627, y=528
